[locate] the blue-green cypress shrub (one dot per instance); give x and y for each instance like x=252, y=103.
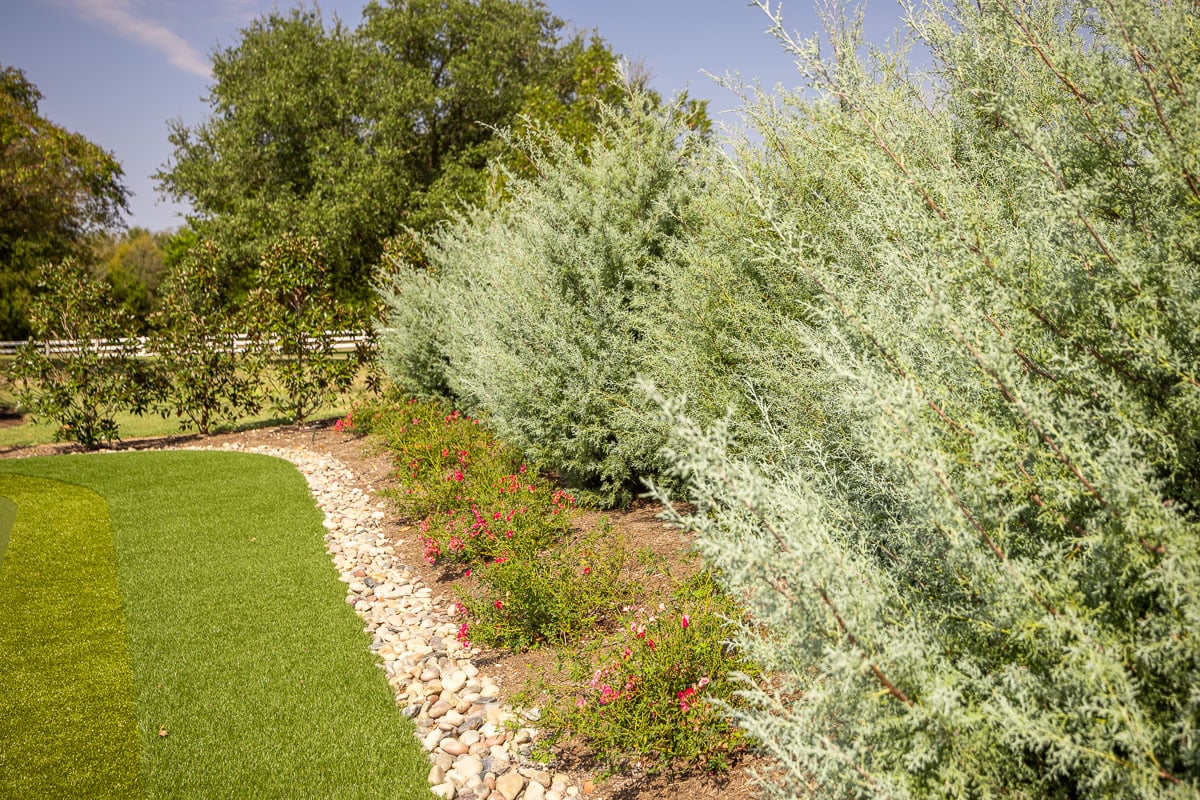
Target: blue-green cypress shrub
x=411, y=335
x=534, y=312
x=977, y=572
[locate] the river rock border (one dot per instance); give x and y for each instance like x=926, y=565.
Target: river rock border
x=479, y=747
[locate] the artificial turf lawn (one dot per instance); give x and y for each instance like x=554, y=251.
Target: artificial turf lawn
x=242, y=647
x=8, y=512
x=67, y=726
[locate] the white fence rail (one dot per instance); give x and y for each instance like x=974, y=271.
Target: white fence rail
x=343, y=342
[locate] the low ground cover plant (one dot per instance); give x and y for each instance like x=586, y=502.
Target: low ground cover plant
x=533, y=581
x=474, y=498
x=565, y=592
x=653, y=692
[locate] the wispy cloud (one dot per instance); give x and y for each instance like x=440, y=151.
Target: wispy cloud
x=118, y=16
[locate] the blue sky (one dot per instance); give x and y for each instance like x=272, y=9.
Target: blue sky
x=117, y=70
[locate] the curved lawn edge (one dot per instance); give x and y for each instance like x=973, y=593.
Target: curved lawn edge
x=67, y=725
x=244, y=651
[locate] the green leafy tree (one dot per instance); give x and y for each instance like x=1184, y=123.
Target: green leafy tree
x=355, y=136
x=284, y=150
x=133, y=265
x=293, y=318
x=976, y=572
x=78, y=370
x=207, y=372
x=177, y=244
x=56, y=189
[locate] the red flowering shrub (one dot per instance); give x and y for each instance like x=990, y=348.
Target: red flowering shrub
x=644, y=694
x=642, y=688
x=556, y=596
x=472, y=497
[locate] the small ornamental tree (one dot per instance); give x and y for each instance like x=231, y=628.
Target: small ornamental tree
x=293, y=318
x=976, y=571
x=79, y=369
x=208, y=376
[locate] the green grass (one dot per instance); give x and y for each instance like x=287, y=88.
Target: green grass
x=242, y=647
x=67, y=726
x=8, y=512
x=133, y=427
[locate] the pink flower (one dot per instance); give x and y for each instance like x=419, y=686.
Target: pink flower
x=432, y=550
x=498, y=604
x=684, y=698
x=587, y=570
x=703, y=682
x=686, y=621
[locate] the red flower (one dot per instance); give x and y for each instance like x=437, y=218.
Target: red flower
x=499, y=604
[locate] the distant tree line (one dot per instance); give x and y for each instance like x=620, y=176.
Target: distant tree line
x=359, y=136
x=57, y=190
x=356, y=137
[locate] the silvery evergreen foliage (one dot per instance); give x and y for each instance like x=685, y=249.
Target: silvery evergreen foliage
x=732, y=321
x=534, y=312
x=981, y=577
x=412, y=332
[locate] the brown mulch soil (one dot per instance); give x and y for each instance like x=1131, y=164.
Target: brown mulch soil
x=514, y=672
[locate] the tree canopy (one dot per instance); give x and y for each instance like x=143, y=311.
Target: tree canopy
x=353, y=136
x=56, y=189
